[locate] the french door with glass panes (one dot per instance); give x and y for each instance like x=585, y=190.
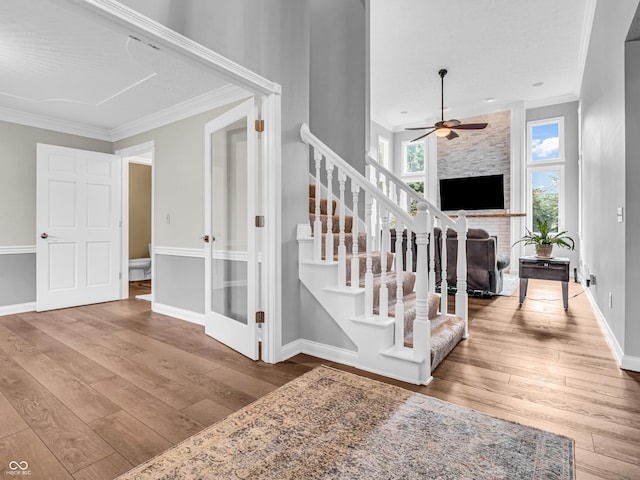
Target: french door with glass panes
x=232, y=241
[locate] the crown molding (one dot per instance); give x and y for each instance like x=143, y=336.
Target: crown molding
x=54, y=124
x=545, y=102
x=585, y=38
x=208, y=101
x=203, y=103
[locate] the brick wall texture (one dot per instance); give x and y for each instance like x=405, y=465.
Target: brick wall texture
x=482, y=152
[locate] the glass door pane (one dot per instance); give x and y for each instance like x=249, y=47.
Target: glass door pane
x=229, y=222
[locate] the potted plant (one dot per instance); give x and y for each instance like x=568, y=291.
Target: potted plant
x=544, y=241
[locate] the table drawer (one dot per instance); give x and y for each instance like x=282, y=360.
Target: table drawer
x=545, y=271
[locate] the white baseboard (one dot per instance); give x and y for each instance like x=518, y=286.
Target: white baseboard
x=19, y=308
x=630, y=363
x=319, y=350
x=189, y=316
x=615, y=347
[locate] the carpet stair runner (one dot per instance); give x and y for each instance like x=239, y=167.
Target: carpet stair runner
x=446, y=331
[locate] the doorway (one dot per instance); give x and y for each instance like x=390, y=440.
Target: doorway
x=137, y=221
x=233, y=238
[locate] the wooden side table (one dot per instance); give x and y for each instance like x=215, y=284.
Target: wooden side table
x=555, y=268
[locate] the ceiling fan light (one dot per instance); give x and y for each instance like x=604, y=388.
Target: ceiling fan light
x=443, y=132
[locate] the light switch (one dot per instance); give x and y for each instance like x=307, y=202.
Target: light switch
x=619, y=214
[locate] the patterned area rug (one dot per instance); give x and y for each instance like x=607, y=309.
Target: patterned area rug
x=330, y=424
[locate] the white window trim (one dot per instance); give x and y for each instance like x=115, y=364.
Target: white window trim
x=387, y=151
x=411, y=175
x=561, y=193
x=537, y=123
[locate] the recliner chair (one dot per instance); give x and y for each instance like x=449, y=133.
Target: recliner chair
x=484, y=265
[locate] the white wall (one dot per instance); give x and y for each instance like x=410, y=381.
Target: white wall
x=604, y=249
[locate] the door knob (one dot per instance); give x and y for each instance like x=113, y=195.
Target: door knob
x=44, y=235
x=206, y=238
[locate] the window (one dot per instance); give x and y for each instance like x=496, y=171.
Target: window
x=383, y=151
x=418, y=187
x=545, y=173
x=412, y=158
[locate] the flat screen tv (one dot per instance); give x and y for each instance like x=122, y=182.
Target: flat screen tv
x=472, y=193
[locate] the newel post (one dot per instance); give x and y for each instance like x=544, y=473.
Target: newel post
x=462, y=303
x=421, y=325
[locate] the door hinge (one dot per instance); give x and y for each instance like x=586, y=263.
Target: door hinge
x=259, y=317
x=259, y=125
x=120, y=223
x=259, y=220
x=120, y=275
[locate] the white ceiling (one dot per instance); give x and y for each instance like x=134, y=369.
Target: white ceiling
x=66, y=62
x=492, y=49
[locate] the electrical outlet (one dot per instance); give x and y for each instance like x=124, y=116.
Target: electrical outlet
x=610, y=300
x=592, y=277
x=167, y=218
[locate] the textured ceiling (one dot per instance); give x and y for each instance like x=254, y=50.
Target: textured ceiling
x=58, y=60
x=492, y=48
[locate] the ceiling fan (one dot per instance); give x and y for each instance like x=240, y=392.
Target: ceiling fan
x=446, y=128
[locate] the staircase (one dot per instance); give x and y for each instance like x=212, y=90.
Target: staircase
x=399, y=324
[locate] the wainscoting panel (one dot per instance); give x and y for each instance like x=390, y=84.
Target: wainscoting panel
x=179, y=280
x=17, y=279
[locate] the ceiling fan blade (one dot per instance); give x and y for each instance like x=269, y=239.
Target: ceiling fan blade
x=422, y=136
x=471, y=126
x=452, y=135
x=417, y=128
x=451, y=123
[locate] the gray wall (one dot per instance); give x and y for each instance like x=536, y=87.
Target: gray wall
x=571, y=213
x=632, y=198
x=17, y=279
x=338, y=95
x=604, y=249
x=272, y=39
x=179, y=282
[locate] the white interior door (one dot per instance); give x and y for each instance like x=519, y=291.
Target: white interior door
x=231, y=265
x=77, y=227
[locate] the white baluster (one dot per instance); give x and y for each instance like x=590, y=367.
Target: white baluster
x=378, y=243
x=399, y=322
x=421, y=325
x=444, y=284
x=384, y=248
x=328, y=239
x=462, y=305
x=342, y=248
x=355, y=260
x=368, y=277
x=409, y=259
x=317, y=224
x=432, y=252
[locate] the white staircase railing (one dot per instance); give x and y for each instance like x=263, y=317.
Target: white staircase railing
x=396, y=188
x=382, y=209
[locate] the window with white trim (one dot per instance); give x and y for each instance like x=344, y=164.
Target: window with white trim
x=383, y=151
x=545, y=173
x=413, y=159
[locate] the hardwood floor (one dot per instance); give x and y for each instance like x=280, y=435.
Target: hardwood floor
x=88, y=392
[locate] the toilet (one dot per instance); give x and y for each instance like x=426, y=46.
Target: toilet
x=140, y=268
